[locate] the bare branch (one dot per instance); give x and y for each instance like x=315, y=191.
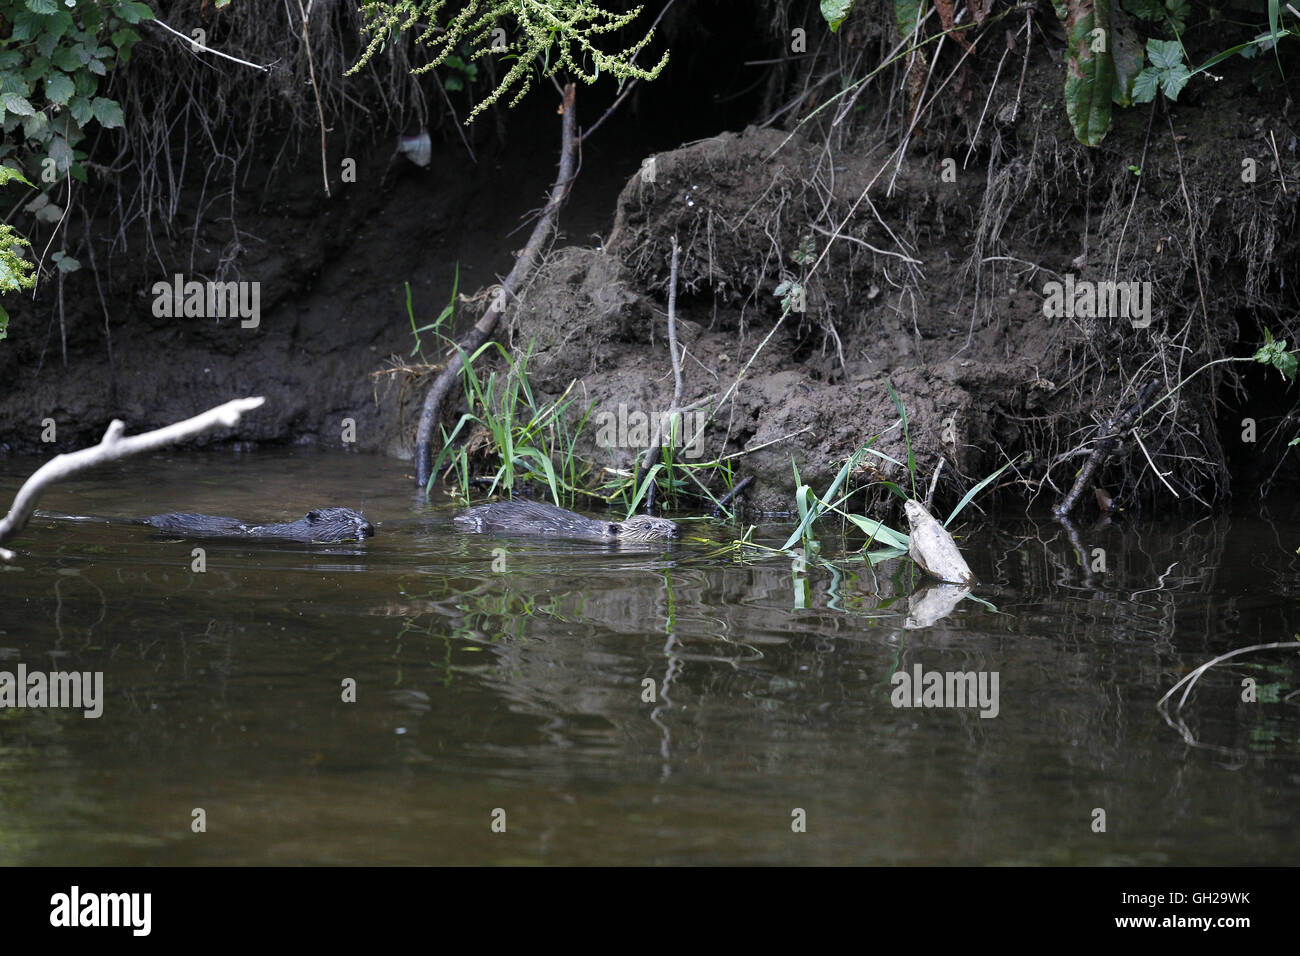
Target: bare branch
x=111, y=448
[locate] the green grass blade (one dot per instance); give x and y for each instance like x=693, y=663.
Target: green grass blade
x=879, y=531
x=907, y=438
x=974, y=491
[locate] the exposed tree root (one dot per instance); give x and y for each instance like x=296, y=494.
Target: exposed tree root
x=523, y=267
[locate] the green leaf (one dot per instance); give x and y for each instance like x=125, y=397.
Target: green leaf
x=42, y=6
x=1089, y=74
x=61, y=153
x=57, y=25
x=1172, y=81
x=107, y=112
x=35, y=126
x=907, y=438
x=1178, y=13
x=1145, y=86
x=11, y=82
x=66, y=59
x=1164, y=54
x=905, y=13
x=1145, y=9
x=124, y=40
x=1275, y=354
x=45, y=43
x=1286, y=364
x=881, y=532
x=973, y=492
x=86, y=84
x=1248, y=50
x=1274, y=16
x=81, y=110
x=4, y=323
x=16, y=104
x=8, y=174
x=133, y=12
x=26, y=25
x=835, y=11
x=59, y=88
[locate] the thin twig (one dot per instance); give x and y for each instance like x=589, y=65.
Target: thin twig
x=195, y=45
x=1159, y=474
x=1191, y=230
x=630, y=85
x=320, y=111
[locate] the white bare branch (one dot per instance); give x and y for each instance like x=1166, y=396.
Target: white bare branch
x=111, y=448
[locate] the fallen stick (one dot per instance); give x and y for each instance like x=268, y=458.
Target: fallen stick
x=486, y=324
x=112, y=447
x=1111, y=430
x=726, y=499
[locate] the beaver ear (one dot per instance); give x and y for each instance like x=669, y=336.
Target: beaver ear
x=614, y=530
x=313, y=517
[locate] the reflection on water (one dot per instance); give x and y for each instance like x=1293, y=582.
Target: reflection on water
x=630, y=706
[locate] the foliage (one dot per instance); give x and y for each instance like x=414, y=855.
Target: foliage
x=1090, y=67
x=835, y=12
x=1166, y=72
x=1274, y=353
x=1106, y=62
x=529, y=439
x=52, y=59
x=51, y=67
x=15, y=270
x=551, y=35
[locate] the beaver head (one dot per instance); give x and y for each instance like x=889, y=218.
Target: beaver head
x=338, y=524
x=645, y=528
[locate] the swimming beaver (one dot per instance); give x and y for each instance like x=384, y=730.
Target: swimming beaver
x=539, y=518
x=318, y=526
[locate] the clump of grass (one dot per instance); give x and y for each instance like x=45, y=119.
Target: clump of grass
x=532, y=441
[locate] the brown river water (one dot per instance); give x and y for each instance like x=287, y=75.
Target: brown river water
x=514, y=695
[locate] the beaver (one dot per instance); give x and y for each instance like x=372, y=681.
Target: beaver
x=318, y=526
x=546, y=520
